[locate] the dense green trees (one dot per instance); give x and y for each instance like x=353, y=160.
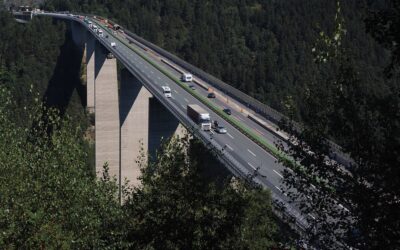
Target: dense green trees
x=49, y=199
x=262, y=47
x=178, y=207
x=358, y=206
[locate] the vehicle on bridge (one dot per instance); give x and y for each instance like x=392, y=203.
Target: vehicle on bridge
x=187, y=77
x=167, y=91
x=113, y=44
x=227, y=111
x=100, y=33
x=221, y=129
x=200, y=116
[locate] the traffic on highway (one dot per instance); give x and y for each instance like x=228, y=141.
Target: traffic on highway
x=200, y=107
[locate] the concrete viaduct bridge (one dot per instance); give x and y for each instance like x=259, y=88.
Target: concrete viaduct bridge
x=137, y=113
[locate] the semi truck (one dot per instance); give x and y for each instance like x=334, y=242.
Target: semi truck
x=200, y=116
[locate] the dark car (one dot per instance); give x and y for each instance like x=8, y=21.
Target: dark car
x=192, y=87
x=211, y=95
x=215, y=124
x=106, y=36
x=228, y=111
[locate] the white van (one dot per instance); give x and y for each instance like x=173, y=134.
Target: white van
x=100, y=32
x=167, y=91
x=187, y=77
x=113, y=45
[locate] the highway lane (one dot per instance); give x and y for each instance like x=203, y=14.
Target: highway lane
x=222, y=100
x=234, y=144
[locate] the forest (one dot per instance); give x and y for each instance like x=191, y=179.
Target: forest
x=49, y=195
x=334, y=67
x=261, y=47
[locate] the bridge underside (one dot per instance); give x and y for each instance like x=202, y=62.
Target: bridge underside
x=128, y=119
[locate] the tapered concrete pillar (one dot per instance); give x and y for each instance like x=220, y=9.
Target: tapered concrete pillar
x=90, y=47
x=134, y=117
x=107, y=113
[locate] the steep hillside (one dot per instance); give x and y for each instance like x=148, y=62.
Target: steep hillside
x=262, y=47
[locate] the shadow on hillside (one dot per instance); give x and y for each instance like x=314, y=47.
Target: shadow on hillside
x=66, y=78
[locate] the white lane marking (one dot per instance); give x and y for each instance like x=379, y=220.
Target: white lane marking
x=173, y=98
x=229, y=147
x=278, y=188
x=251, y=166
x=182, y=106
x=251, y=152
x=276, y=172
x=230, y=135
x=159, y=78
x=186, y=100
x=311, y=216
x=175, y=91
x=151, y=71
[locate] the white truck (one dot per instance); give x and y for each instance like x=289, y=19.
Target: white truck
x=200, y=116
x=100, y=32
x=187, y=77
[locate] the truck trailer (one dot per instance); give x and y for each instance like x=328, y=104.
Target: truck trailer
x=200, y=116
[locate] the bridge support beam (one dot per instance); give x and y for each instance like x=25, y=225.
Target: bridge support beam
x=90, y=48
x=127, y=122
x=134, y=118
x=144, y=123
x=107, y=113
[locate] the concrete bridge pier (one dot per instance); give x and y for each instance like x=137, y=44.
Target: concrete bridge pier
x=144, y=123
x=128, y=121
x=134, y=118
x=90, y=48
x=107, y=123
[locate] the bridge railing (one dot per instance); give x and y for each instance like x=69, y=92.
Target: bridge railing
x=252, y=103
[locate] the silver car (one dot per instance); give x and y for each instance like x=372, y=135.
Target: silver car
x=221, y=130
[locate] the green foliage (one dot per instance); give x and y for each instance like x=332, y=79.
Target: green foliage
x=366, y=123
x=260, y=47
x=177, y=208
x=48, y=199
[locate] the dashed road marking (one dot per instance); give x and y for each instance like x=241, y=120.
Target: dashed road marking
x=258, y=131
x=230, y=135
x=251, y=152
x=175, y=91
x=276, y=172
x=229, y=147
x=251, y=166
x=186, y=100
x=278, y=188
